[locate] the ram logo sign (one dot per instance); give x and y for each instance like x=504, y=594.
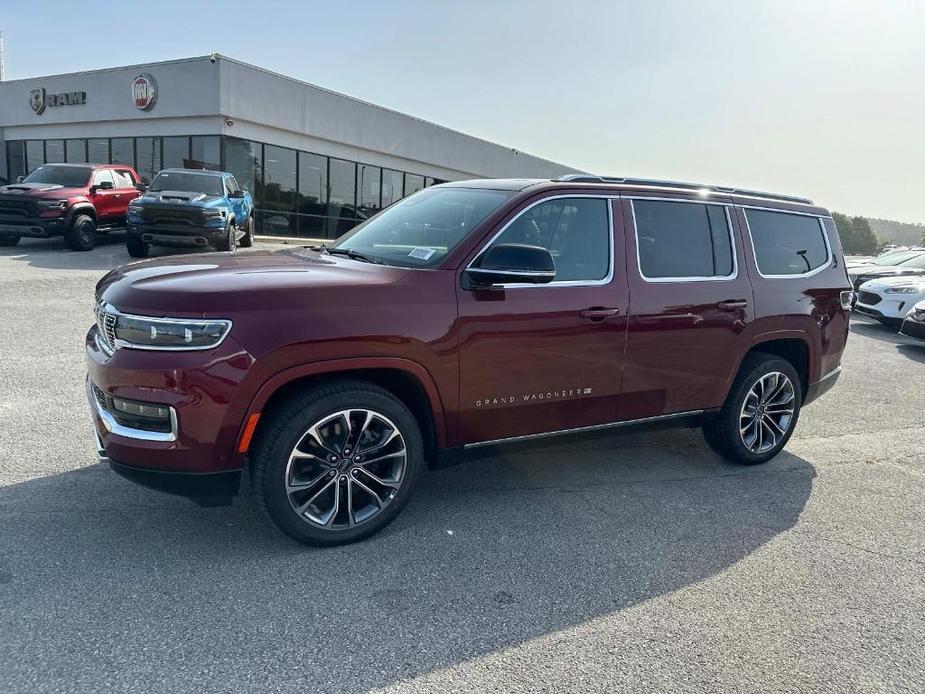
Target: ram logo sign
x=39, y=100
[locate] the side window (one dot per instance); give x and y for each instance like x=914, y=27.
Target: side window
x=576, y=231
x=102, y=175
x=122, y=178
x=682, y=240
x=786, y=244
x=232, y=184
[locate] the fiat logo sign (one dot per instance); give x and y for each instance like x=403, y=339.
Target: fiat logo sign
x=144, y=91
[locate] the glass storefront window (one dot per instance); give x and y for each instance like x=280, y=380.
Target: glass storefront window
x=342, y=198
x=98, y=150
x=35, y=154
x=176, y=152
x=277, y=223
x=54, y=151
x=243, y=159
x=148, y=152
x=123, y=151
x=369, y=179
x=413, y=183
x=76, y=151
x=16, y=159
x=313, y=186
x=392, y=186
x=205, y=153
x=279, y=178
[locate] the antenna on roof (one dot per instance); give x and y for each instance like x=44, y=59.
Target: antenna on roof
x=2, y=59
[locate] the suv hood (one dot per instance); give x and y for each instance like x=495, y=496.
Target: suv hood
x=896, y=281
x=39, y=190
x=222, y=284
x=180, y=198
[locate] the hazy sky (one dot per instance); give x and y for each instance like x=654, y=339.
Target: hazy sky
x=824, y=98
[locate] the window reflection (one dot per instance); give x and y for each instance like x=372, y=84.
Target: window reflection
x=280, y=181
x=148, y=151
x=98, y=150
x=123, y=151
x=76, y=151
x=369, y=178
x=176, y=152
x=413, y=183
x=205, y=153
x=35, y=154
x=54, y=151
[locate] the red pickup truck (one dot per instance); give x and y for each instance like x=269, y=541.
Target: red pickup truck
x=468, y=314
x=76, y=201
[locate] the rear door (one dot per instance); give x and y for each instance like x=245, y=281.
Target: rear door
x=124, y=193
x=106, y=202
x=691, y=303
x=543, y=358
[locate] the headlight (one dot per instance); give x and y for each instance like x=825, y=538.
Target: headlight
x=52, y=204
x=139, y=332
x=917, y=314
x=903, y=290
x=213, y=213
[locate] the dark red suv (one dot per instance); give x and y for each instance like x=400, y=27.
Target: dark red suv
x=470, y=313
x=72, y=200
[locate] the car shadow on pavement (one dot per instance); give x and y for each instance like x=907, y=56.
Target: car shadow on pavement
x=886, y=333
x=54, y=254
x=104, y=584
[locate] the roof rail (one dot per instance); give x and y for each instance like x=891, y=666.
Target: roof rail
x=654, y=183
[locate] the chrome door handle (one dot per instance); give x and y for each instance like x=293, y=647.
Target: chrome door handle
x=732, y=304
x=598, y=314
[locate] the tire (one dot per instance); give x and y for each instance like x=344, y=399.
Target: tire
x=9, y=240
x=230, y=242
x=81, y=235
x=136, y=247
x=312, y=417
x=248, y=239
x=723, y=434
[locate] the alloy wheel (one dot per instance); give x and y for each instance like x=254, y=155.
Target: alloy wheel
x=345, y=469
x=767, y=413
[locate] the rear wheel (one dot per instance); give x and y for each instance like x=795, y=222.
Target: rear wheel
x=136, y=247
x=81, y=236
x=9, y=240
x=337, y=462
x=760, y=412
x=248, y=239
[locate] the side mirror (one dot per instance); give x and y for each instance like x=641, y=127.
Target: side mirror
x=141, y=187
x=236, y=194
x=105, y=185
x=511, y=263
x=20, y=179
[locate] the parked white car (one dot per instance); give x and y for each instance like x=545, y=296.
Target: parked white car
x=914, y=325
x=889, y=299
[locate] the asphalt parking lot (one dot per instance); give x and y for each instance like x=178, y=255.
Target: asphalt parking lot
x=636, y=562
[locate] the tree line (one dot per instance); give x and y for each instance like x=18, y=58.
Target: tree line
x=857, y=238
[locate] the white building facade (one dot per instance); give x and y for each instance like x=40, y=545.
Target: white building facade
x=317, y=162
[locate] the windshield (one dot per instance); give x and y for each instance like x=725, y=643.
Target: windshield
x=184, y=182
x=895, y=258
x=67, y=176
x=916, y=261
x=422, y=229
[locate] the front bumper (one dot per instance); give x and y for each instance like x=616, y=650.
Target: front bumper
x=178, y=235
x=208, y=393
x=913, y=330
x=34, y=227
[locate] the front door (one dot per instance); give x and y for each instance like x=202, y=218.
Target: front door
x=691, y=303
x=542, y=358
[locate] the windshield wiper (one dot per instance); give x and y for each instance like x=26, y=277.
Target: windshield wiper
x=354, y=255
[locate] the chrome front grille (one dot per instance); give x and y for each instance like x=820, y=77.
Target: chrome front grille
x=106, y=327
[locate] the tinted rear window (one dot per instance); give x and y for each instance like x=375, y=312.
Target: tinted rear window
x=786, y=244
x=681, y=239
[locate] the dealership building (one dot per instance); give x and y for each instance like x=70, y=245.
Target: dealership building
x=316, y=161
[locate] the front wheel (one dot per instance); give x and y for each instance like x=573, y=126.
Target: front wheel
x=337, y=462
x=81, y=236
x=136, y=247
x=230, y=240
x=760, y=412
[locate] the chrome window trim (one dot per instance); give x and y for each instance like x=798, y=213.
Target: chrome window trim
x=705, y=191
x=607, y=279
x=825, y=237
x=711, y=278
x=113, y=427
x=124, y=344
x=592, y=427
